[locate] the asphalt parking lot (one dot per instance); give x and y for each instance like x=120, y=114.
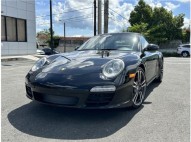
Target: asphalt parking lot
x=164, y=116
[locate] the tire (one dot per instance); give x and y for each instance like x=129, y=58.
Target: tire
x=139, y=88
x=185, y=54
x=160, y=73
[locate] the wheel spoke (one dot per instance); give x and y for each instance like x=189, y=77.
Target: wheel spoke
x=143, y=84
x=135, y=85
x=135, y=97
x=141, y=96
x=139, y=76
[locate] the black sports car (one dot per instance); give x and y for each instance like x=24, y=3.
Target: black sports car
x=107, y=71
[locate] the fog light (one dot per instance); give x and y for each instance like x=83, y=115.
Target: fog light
x=109, y=88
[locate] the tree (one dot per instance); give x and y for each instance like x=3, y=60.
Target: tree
x=142, y=13
x=158, y=24
x=186, y=35
x=140, y=28
x=46, y=33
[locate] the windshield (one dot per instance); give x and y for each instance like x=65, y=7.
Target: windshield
x=126, y=42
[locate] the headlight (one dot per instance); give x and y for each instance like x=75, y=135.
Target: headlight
x=113, y=68
x=39, y=64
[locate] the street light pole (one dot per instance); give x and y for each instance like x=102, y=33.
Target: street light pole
x=106, y=5
x=94, y=17
x=99, y=17
x=51, y=35
x=64, y=35
x=64, y=38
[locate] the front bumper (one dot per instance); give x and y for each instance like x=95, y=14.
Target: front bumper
x=179, y=51
x=80, y=98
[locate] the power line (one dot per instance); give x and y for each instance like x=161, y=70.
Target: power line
x=69, y=21
x=115, y=19
x=119, y=14
x=119, y=22
x=78, y=6
x=77, y=17
x=74, y=18
x=78, y=20
x=65, y=12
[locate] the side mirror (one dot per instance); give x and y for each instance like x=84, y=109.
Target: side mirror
x=76, y=48
x=151, y=47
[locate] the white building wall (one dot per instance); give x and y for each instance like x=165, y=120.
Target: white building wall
x=24, y=9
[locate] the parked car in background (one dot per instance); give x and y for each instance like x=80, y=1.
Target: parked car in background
x=46, y=51
x=184, y=50
x=40, y=52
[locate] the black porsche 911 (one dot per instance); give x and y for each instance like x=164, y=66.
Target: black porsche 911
x=107, y=71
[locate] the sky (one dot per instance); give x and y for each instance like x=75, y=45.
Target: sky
x=78, y=14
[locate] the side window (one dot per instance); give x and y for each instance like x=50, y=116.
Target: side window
x=144, y=43
x=186, y=46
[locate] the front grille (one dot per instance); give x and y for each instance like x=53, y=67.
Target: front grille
x=99, y=99
x=55, y=99
x=29, y=91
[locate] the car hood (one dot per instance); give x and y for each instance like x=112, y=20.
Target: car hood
x=85, y=62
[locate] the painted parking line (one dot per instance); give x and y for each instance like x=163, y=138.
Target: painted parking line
x=176, y=63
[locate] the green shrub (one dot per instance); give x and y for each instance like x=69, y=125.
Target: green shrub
x=170, y=54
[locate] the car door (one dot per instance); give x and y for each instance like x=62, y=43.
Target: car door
x=186, y=48
x=151, y=60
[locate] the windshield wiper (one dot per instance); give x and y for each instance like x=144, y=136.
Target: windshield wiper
x=108, y=49
x=105, y=51
x=85, y=49
x=65, y=57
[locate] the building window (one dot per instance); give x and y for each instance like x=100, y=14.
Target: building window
x=79, y=42
x=3, y=36
x=21, y=30
x=68, y=41
x=13, y=29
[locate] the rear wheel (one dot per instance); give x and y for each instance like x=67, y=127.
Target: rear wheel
x=185, y=54
x=160, y=73
x=139, y=88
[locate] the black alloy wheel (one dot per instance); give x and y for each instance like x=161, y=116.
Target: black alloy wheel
x=139, y=88
x=160, y=73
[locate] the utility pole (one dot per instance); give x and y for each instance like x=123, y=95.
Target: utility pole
x=51, y=35
x=99, y=17
x=64, y=38
x=106, y=5
x=94, y=17
x=64, y=35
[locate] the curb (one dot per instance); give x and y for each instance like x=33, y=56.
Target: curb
x=40, y=56
x=20, y=58
x=13, y=59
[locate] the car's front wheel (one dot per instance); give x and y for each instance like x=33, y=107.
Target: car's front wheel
x=185, y=54
x=139, y=88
